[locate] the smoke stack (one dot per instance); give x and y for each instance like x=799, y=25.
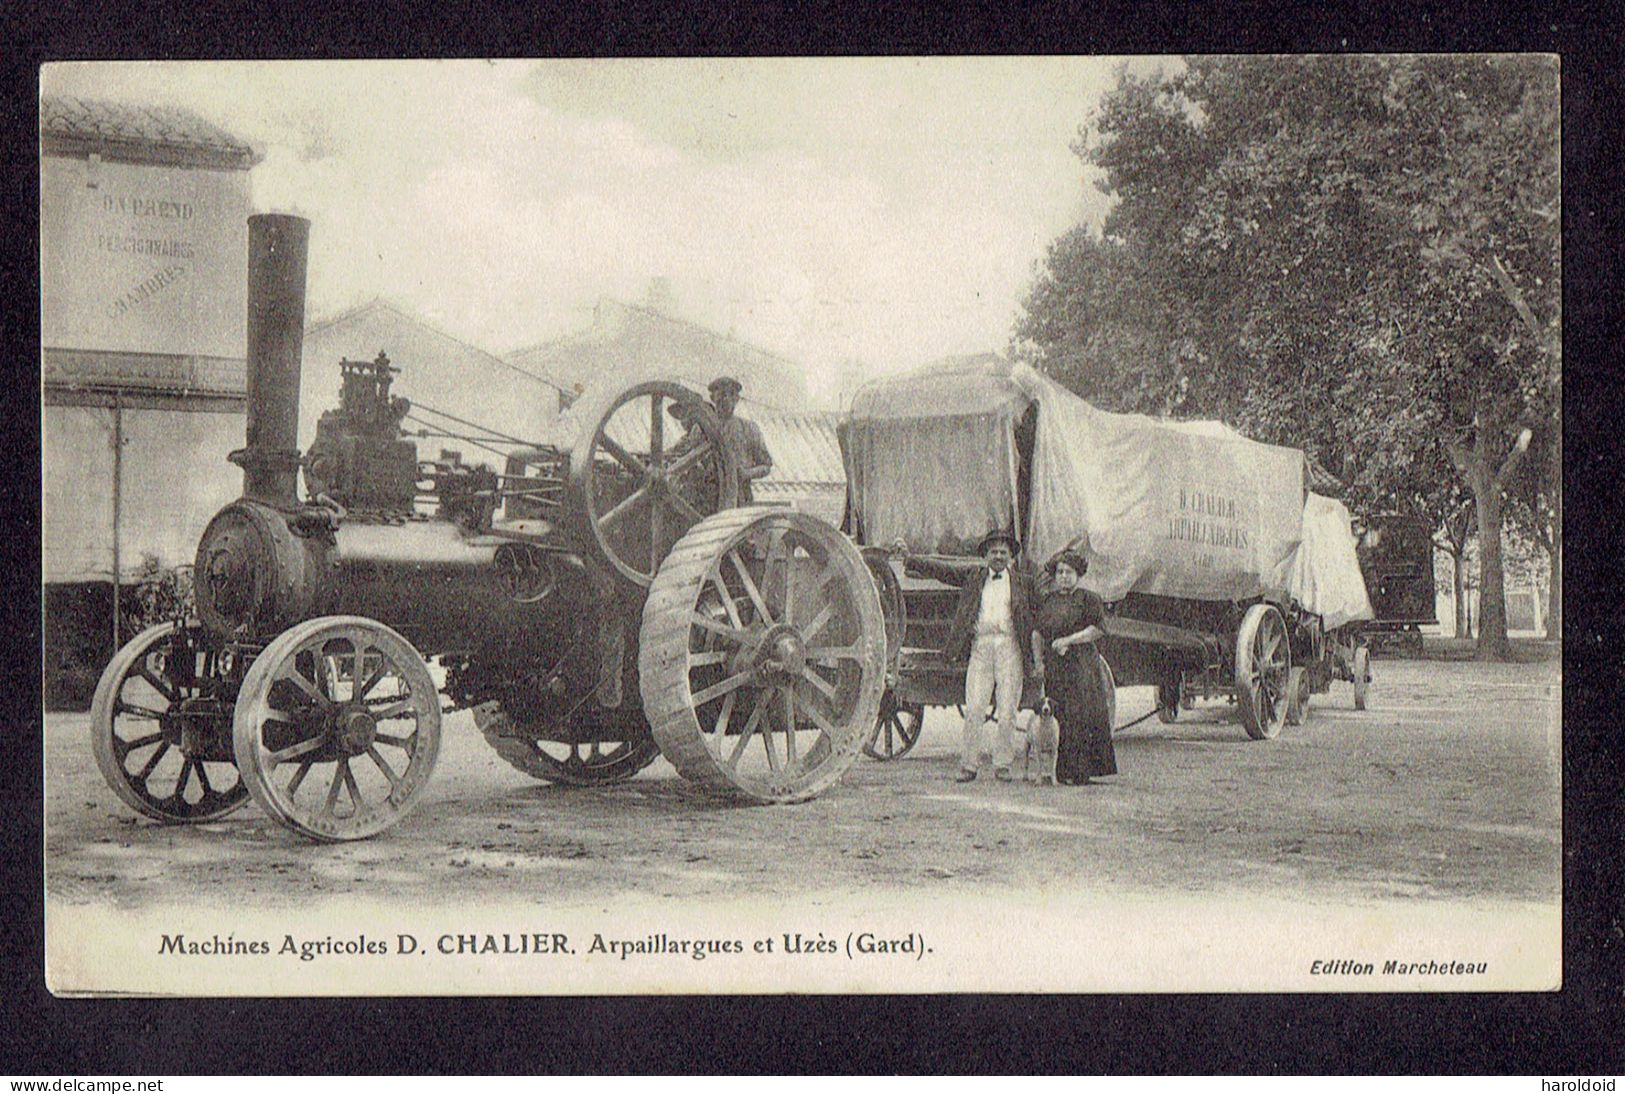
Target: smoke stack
x=277, y=248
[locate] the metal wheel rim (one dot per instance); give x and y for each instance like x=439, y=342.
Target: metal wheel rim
x=153, y=746
x=654, y=504
x=897, y=730
x=1362, y=672
x=723, y=603
x=281, y=733
x=1263, y=664
x=591, y=763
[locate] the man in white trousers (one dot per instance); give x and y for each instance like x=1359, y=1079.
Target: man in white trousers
x=992, y=635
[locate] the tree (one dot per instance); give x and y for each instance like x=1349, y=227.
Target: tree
x=1355, y=255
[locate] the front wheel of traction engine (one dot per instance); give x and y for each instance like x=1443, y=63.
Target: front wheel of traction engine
x=161, y=727
x=337, y=728
x=762, y=655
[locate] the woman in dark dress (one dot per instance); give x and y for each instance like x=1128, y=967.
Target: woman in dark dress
x=1069, y=620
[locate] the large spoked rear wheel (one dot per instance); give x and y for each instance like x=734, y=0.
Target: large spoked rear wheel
x=610, y=749
x=337, y=728
x=762, y=655
x=161, y=730
x=1263, y=666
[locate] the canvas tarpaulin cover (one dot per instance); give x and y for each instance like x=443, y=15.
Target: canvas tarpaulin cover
x=1325, y=573
x=930, y=457
x=1191, y=510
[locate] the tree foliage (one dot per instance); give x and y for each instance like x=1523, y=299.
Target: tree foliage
x=1353, y=255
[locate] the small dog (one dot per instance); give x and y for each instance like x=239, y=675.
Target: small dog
x=1043, y=736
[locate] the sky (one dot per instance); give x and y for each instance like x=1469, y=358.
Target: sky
x=887, y=212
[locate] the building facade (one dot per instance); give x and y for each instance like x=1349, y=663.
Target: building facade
x=143, y=244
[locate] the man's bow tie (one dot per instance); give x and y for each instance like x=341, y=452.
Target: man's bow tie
x=996, y=577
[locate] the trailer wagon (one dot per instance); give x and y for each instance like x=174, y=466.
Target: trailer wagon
x=1223, y=575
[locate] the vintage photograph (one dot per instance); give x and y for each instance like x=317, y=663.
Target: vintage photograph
x=1005, y=524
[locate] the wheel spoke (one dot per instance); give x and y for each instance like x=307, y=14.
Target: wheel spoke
x=298, y=679
x=292, y=751
x=180, y=783
x=299, y=777
x=127, y=747
x=722, y=719
x=657, y=533
x=768, y=745
x=624, y=506
x=723, y=687
x=818, y=718
x=622, y=456
x=737, y=636
x=853, y=652
x=789, y=586
x=324, y=675
x=657, y=431
x=372, y=681
x=745, y=733
x=202, y=777
x=701, y=658
x=790, y=725
x=333, y=788
x=816, y=587
x=349, y=784
x=161, y=685
x=393, y=710
x=391, y=739
x=688, y=459
x=139, y=711
x=751, y=590
x=680, y=503
x=816, y=624
x=152, y=764
x=728, y=605
x=817, y=681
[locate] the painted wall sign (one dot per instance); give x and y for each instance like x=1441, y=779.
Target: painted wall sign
x=143, y=259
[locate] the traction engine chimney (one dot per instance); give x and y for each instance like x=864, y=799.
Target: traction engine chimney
x=277, y=249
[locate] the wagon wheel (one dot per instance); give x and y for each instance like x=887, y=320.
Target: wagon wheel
x=1297, y=696
x=617, y=751
x=762, y=655
x=1263, y=665
x=161, y=734
x=892, y=604
x=898, y=729
x=1362, y=675
x=638, y=483
x=337, y=728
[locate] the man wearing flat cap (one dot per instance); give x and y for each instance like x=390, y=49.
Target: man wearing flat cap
x=992, y=633
x=741, y=438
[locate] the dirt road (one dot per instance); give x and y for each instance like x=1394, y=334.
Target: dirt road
x=1447, y=788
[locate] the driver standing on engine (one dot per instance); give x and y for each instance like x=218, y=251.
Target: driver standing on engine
x=741, y=438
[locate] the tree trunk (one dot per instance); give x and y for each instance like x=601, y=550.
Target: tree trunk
x=1458, y=586
x=1492, y=600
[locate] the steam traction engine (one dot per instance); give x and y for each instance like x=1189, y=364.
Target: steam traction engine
x=595, y=604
